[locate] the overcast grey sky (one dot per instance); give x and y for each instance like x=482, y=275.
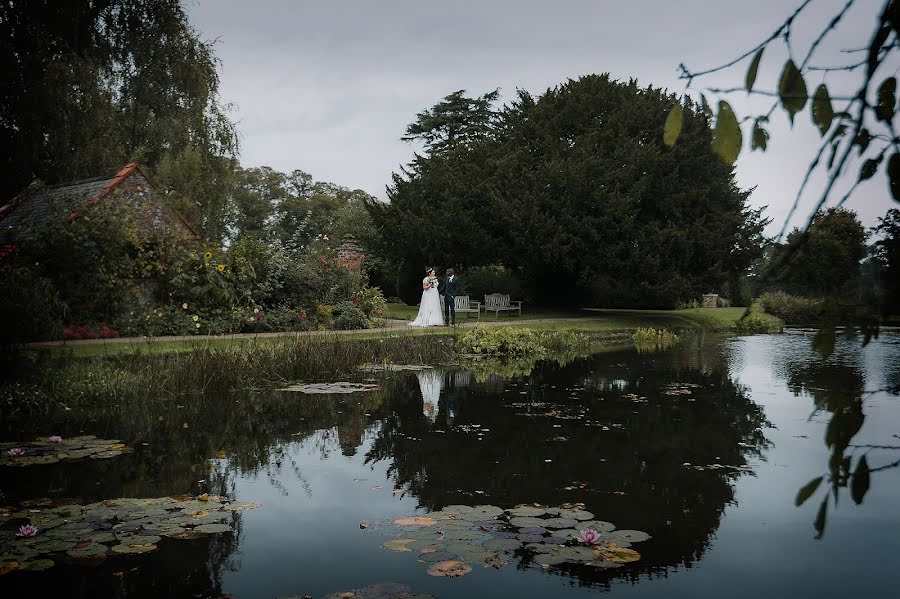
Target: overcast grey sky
x=329, y=86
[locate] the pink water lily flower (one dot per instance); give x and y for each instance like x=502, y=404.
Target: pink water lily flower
x=27, y=531
x=55, y=439
x=16, y=452
x=589, y=536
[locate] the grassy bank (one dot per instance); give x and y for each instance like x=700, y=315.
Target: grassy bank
x=45, y=381
x=597, y=321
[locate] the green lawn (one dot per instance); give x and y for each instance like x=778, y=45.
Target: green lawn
x=595, y=320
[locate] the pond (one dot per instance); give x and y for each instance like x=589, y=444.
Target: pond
x=705, y=447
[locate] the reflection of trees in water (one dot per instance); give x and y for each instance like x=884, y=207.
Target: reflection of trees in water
x=837, y=386
x=546, y=443
x=227, y=436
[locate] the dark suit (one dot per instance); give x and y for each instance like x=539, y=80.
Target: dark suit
x=451, y=288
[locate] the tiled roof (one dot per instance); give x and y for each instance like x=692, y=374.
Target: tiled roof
x=38, y=204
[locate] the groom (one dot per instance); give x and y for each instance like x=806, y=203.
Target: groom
x=451, y=288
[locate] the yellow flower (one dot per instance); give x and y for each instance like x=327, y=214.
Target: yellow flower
x=196, y=318
x=221, y=267
x=207, y=255
x=197, y=325
x=256, y=310
x=184, y=306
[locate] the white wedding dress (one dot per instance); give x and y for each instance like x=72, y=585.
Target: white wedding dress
x=430, y=309
x=431, y=382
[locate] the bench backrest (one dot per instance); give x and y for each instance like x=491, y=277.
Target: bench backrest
x=462, y=302
x=496, y=300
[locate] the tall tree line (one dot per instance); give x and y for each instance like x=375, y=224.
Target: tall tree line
x=575, y=190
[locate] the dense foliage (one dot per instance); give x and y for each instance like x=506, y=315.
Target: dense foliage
x=93, y=84
x=576, y=191
x=826, y=261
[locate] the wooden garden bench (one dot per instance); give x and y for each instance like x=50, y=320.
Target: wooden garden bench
x=464, y=306
x=498, y=302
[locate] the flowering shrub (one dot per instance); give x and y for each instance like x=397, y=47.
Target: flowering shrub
x=90, y=331
x=162, y=320
x=348, y=315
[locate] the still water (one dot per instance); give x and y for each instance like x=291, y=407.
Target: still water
x=705, y=447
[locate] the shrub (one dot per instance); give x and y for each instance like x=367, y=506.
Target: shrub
x=162, y=320
x=506, y=341
x=792, y=309
x=90, y=331
x=755, y=324
x=650, y=338
x=31, y=308
x=283, y=318
x=347, y=315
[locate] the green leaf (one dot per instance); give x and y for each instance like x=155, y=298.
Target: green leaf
x=704, y=105
x=673, y=125
x=893, y=169
x=822, y=112
x=887, y=99
x=760, y=138
x=860, y=483
x=727, y=137
x=819, y=524
x=869, y=168
x=807, y=490
x=823, y=341
x=862, y=140
x=754, y=67
x=792, y=89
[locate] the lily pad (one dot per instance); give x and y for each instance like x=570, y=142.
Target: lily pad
x=186, y=535
x=502, y=544
x=533, y=530
x=560, y=523
x=436, y=556
x=598, y=525
x=463, y=535
x=213, y=528
x=37, y=565
x=399, y=545
x=528, y=522
x=134, y=548
x=457, y=509
x=331, y=388
x=619, y=555
x=415, y=521
x=450, y=568
x=92, y=550
x=42, y=451
x=527, y=512
x=629, y=536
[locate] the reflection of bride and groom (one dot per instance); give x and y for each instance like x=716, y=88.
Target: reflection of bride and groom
x=430, y=308
x=433, y=383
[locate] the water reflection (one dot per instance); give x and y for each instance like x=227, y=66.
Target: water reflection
x=661, y=442
x=620, y=433
x=838, y=389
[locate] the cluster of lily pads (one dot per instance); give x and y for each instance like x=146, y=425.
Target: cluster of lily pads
x=53, y=449
x=451, y=539
x=35, y=538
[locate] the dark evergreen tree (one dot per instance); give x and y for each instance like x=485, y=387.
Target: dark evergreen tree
x=826, y=263
x=576, y=190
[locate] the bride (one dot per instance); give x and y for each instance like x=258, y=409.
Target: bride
x=430, y=308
